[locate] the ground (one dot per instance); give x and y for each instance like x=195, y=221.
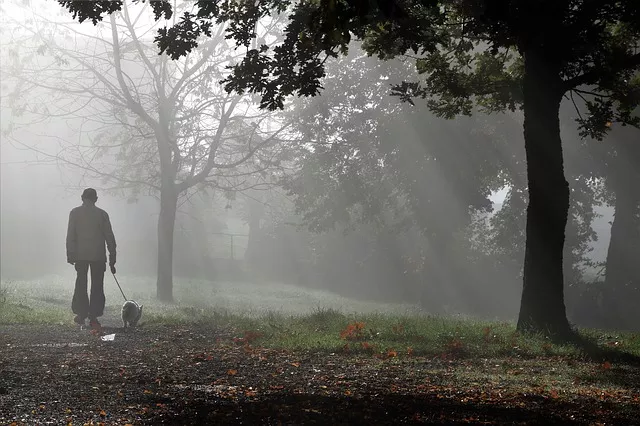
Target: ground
x=174, y=374
x=192, y=365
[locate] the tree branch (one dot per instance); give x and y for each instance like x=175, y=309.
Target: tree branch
x=592, y=76
x=132, y=103
x=189, y=182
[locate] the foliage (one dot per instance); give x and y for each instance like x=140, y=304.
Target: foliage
x=468, y=50
x=373, y=160
x=150, y=116
x=495, y=55
x=141, y=123
x=401, y=181
x=353, y=331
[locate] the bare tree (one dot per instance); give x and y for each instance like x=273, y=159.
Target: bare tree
x=139, y=121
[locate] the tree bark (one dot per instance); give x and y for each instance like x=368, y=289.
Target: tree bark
x=622, y=280
x=542, y=307
x=166, y=227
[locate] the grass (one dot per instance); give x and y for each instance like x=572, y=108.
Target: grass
x=484, y=360
x=193, y=299
x=298, y=319
x=387, y=335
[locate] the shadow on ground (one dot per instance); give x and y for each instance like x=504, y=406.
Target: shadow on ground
x=290, y=409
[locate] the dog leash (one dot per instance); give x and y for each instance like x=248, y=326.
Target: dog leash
x=114, y=277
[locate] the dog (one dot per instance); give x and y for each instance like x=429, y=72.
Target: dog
x=131, y=313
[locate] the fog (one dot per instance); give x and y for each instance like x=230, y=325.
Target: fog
x=400, y=210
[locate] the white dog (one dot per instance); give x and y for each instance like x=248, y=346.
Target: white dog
x=131, y=313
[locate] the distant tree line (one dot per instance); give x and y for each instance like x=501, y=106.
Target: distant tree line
x=411, y=194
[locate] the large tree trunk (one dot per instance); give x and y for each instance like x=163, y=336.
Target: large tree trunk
x=622, y=280
x=166, y=227
x=542, y=306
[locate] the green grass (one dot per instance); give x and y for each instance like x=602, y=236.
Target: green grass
x=193, y=298
x=484, y=360
x=383, y=334
x=298, y=319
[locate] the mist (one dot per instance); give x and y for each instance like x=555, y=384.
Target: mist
x=406, y=190
x=324, y=212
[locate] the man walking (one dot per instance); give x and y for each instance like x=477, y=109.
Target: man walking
x=88, y=231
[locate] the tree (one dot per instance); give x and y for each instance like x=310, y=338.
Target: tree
x=504, y=239
x=499, y=55
x=609, y=166
x=622, y=279
x=139, y=121
x=411, y=179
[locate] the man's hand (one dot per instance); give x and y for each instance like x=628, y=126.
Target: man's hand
x=71, y=262
x=113, y=269
x=112, y=263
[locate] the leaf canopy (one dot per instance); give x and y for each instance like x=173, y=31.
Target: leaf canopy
x=469, y=52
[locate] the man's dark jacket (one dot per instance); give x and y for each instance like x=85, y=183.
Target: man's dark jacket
x=88, y=231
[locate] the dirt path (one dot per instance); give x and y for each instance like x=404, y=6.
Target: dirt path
x=179, y=375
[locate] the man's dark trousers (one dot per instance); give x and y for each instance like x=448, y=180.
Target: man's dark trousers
x=81, y=304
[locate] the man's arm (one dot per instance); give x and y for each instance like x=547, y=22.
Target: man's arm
x=110, y=239
x=71, y=239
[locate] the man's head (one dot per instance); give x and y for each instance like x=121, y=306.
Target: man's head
x=89, y=195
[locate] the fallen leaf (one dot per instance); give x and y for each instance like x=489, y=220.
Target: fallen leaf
x=392, y=354
x=606, y=365
x=353, y=331
x=147, y=392
x=295, y=364
x=232, y=372
x=553, y=393
x=347, y=392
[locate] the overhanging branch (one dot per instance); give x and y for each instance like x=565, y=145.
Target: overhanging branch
x=594, y=74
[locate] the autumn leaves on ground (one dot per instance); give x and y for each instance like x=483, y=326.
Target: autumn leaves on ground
x=211, y=366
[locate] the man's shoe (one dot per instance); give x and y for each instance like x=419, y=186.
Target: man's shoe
x=94, y=324
x=78, y=320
